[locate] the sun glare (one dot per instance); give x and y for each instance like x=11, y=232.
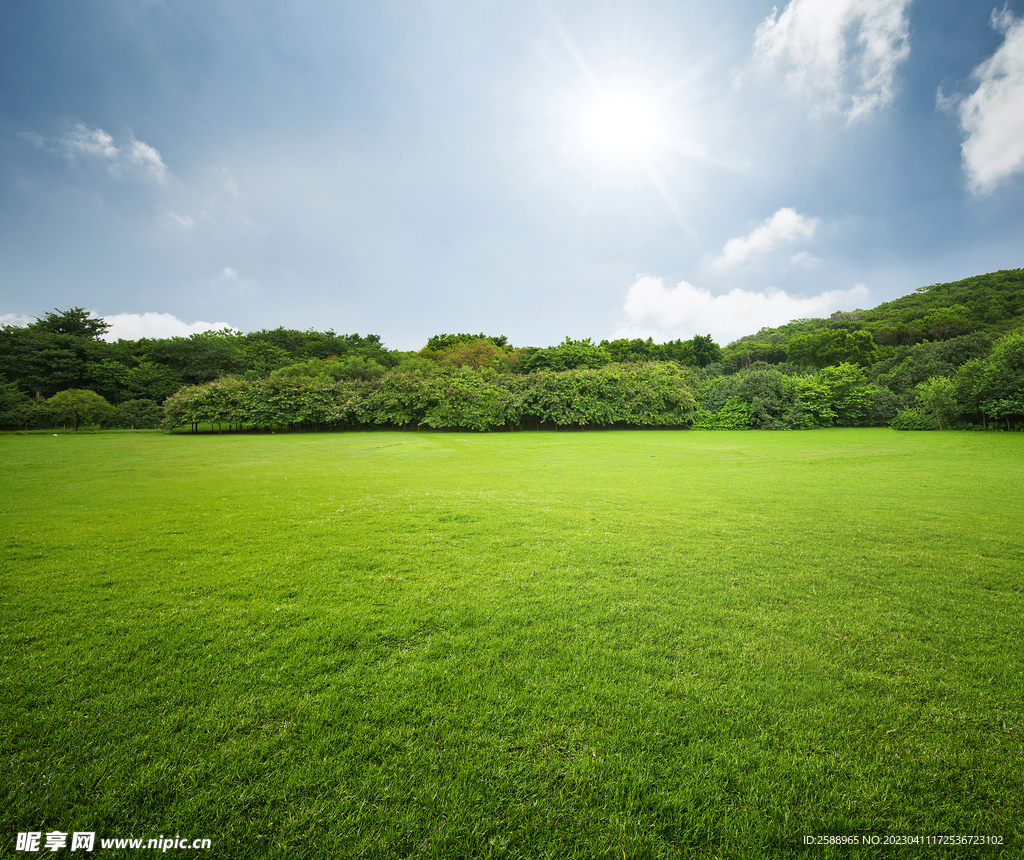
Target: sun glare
x=620, y=129
x=621, y=124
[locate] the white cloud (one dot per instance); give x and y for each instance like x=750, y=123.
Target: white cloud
x=96, y=143
x=993, y=115
x=228, y=274
x=786, y=225
x=653, y=310
x=148, y=158
x=805, y=259
x=19, y=320
x=90, y=141
x=155, y=325
x=844, y=53
x=186, y=222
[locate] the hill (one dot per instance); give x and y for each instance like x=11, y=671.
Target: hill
x=991, y=303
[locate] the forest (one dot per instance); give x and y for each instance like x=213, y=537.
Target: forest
x=948, y=356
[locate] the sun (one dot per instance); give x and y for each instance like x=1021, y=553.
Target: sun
x=621, y=125
x=620, y=128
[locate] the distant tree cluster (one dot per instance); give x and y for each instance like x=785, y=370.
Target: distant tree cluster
x=946, y=356
x=629, y=395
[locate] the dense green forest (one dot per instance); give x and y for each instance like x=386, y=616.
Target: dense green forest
x=946, y=356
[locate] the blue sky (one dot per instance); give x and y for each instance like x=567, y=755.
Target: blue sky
x=539, y=170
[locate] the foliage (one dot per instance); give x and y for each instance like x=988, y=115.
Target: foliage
x=445, y=342
x=832, y=346
x=568, y=355
x=913, y=418
x=936, y=397
x=476, y=354
x=76, y=322
x=908, y=367
x=18, y=411
x=136, y=415
x=1001, y=392
x=648, y=395
x=79, y=406
x=699, y=351
x=941, y=331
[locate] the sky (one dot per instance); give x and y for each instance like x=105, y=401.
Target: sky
x=540, y=170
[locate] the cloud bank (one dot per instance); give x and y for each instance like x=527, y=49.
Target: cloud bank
x=653, y=310
x=785, y=226
x=154, y=325
x=992, y=117
x=842, y=53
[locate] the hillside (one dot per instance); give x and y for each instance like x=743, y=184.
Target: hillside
x=992, y=303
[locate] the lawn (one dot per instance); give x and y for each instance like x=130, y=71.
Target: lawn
x=565, y=645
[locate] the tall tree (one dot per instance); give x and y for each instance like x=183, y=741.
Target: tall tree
x=76, y=322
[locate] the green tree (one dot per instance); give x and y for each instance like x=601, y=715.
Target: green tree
x=77, y=406
x=136, y=415
x=851, y=396
x=76, y=322
x=937, y=397
x=832, y=346
x=1002, y=386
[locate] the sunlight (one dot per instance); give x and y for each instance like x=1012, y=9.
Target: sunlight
x=621, y=124
x=623, y=130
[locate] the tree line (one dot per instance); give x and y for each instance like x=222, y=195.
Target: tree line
x=960, y=364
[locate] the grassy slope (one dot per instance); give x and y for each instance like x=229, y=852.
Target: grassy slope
x=993, y=302
x=546, y=645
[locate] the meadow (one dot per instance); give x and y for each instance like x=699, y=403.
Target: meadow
x=657, y=644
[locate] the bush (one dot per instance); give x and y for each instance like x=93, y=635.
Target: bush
x=914, y=419
x=136, y=415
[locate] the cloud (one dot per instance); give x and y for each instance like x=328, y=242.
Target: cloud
x=844, y=53
x=653, y=310
x=186, y=222
x=95, y=143
x=786, y=225
x=148, y=158
x=89, y=141
x=805, y=259
x=155, y=325
x=18, y=320
x=228, y=274
x=993, y=115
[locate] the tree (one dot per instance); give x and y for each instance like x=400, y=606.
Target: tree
x=77, y=405
x=705, y=350
x=76, y=322
x=832, y=346
x=1002, y=388
x=937, y=397
x=136, y=415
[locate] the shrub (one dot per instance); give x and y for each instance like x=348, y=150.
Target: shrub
x=136, y=414
x=914, y=419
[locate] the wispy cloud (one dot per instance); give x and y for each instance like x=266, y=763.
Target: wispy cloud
x=785, y=226
x=653, y=310
x=992, y=117
x=83, y=142
x=89, y=141
x=842, y=53
x=146, y=157
x=155, y=325
x=186, y=222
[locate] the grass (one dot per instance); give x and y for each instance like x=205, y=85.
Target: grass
x=600, y=644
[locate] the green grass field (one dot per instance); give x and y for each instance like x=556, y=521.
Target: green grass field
x=564, y=645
